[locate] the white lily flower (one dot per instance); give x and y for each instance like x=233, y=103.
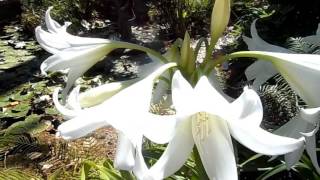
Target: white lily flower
x=301, y=71
x=207, y=119
x=128, y=112
x=260, y=71
x=71, y=52
x=133, y=100
x=77, y=54
x=302, y=125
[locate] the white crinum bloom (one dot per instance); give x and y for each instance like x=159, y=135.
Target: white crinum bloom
x=260, y=71
x=302, y=72
x=128, y=112
x=77, y=54
x=208, y=120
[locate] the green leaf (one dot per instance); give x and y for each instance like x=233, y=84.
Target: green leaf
x=55, y=174
x=30, y=125
x=84, y=173
x=272, y=172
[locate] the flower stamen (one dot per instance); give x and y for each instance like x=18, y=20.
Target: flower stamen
x=202, y=125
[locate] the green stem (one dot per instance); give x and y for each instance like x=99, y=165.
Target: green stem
x=199, y=166
x=125, y=45
x=249, y=54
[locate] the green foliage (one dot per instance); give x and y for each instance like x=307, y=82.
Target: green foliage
x=31, y=125
x=19, y=145
x=16, y=174
x=300, y=46
x=178, y=16
x=103, y=170
x=280, y=102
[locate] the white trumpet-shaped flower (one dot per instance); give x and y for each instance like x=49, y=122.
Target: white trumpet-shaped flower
x=127, y=111
x=77, y=54
x=302, y=72
x=260, y=71
x=71, y=52
x=207, y=119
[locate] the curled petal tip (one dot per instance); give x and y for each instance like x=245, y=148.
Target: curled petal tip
x=311, y=133
x=58, y=134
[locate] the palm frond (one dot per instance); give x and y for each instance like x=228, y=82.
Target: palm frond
x=16, y=174
x=298, y=45
x=280, y=103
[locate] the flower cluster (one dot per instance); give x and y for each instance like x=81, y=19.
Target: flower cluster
x=204, y=116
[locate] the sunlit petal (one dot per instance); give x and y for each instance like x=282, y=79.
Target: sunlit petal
x=216, y=149
x=84, y=123
x=67, y=113
x=247, y=108
x=101, y=93
x=182, y=94
x=125, y=154
x=209, y=99
x=176, y=153
x=159, y=128
x=261, y=141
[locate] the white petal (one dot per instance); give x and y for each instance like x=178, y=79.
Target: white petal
x=261, y=141
x=260, y=71
x=311, y=147
x=67, y=113
x=73, y=99
x=216, y=84
x=182, y=94
x=208, y=98
x=73, y=74
x=52, y=40
x=159, y=128
x=52, y=25
x=247, y=108
x=84, y=123
x=101, y=93
x=292, y=158
x=140, y=169
x=294, y=128
x=311, y=115
x=291, y=66
x=176, y=153
x=216, y=149
x=125, y=154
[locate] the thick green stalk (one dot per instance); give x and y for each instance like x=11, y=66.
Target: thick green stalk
x=125, y=45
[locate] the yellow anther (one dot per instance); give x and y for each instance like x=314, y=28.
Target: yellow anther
x=202, y=125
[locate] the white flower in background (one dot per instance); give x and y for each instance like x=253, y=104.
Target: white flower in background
x=74, y=53
x=302, y=72
x=260, y=71
x=208, y=120
x=128, y=112
x=71, y=52
x=314, y=39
